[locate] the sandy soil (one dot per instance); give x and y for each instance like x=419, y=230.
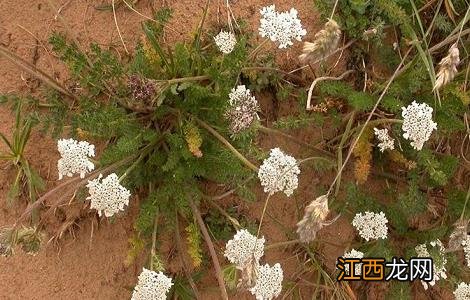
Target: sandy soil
x=90, y=264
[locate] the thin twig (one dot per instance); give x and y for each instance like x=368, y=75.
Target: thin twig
x=34, y=71
x=317, y=80
x=227, y=144
x=210, y=245
x=77, y=180
x=368, y=119
x=117, y=27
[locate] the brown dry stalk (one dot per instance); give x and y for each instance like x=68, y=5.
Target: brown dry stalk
x=117, y=26
x=210, y=245
x=317, y=80
x=34, y=71
x=397, y=70
x=79, y=181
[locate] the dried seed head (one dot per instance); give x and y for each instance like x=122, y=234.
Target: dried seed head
x=326, y=41
x=249, y=273
x=314, y=219
x=447, y=67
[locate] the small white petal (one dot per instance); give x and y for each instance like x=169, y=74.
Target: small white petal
x=152, y=286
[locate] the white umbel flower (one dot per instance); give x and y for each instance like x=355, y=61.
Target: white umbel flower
x=279, y=173
x=108, y=195
x=386, y=141
x=242, y=111
x=268, y=282
x=244, y=248
x=466, y=249
x=225, y=41
x=417, y=124
x=354, y=254
x=152, y=286
x=281, y=27
x=74, y=157
x=462, y=292
x=371, y=226
x=438, y=257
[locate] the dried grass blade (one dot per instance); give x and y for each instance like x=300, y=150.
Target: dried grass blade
x=34, y=71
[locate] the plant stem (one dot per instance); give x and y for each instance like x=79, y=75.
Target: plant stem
x=210, y=245
x=179, y=245
x=234, y=222
x=185, y=79
x=340, y=148
x=227, y=144
x=338, y=175
x=256, y=50
x=465, y=205
x=77, y=180
x=281, y=244
x=262, y=215
x=154, y=240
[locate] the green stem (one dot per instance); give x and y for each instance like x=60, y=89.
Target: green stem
x=281, y=244
x=145, y=151
x=185, y=79
x=340, y=149
x=465, y=205
x=262, y=214
x=256, y=50
x=227, y=144
x=154, y=241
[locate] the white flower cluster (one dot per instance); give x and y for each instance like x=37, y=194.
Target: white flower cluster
x=225, y=41
x=354, y=254
x=281, y=27
x=386, y=141
x=466, y=249
x=417, y=123
x=462, y=292
x=268, y=282
x=243, y=108
x=107, y=196
x=371, y=225
x=151, y=286
x=74, y=157
x=439, y=260
x=243, y=248
x=279, y=173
